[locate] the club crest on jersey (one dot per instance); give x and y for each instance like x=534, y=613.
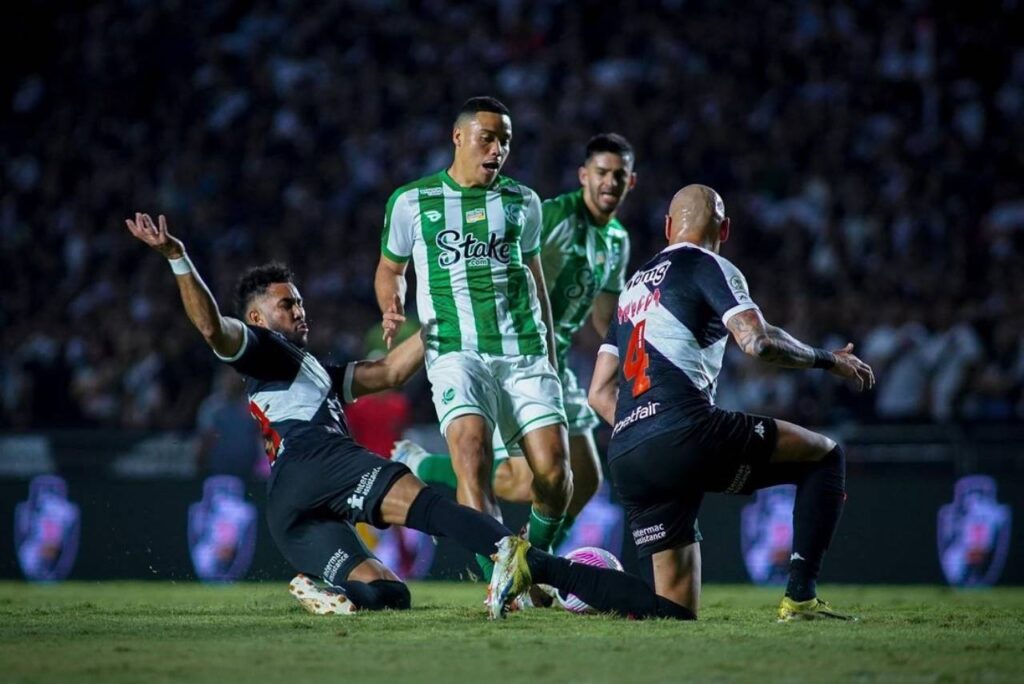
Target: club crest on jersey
x=222, y=530
x=974, y=533
x=476, y=216
x=432, y=215
x=515, y=215
x=456, y=247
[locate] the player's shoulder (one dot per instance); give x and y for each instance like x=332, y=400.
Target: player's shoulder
x=567, y=203
x=427, y=186
x=507, y=184
x=706, y=265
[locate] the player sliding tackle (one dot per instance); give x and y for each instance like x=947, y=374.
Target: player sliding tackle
x=655, y=381
x=322, y=482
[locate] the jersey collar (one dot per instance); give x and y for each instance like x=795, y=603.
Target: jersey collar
x=680, y=245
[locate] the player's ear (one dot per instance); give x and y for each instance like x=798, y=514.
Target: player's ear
x=632, y=180
x=668, y=227
x=723, y=230
x=254, y=317
x=581, y=173
x=457, y=135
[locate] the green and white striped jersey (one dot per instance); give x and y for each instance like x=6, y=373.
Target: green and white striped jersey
x=580, y=259
x=469, y=247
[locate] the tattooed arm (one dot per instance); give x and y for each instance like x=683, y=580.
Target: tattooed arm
x=776, y=346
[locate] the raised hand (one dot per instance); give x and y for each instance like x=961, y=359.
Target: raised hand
x=156, y=235
x=393, y=319
x=851, y=368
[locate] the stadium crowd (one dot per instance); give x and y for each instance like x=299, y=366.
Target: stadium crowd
x=870, y=156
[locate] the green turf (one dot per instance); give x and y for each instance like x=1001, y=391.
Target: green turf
x=163, y=632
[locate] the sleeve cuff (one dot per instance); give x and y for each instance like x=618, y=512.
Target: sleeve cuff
x=394, y=257
x=739, y=308
x=532, y=253
x=609, y=349
x=241, y=350
x=346, y=383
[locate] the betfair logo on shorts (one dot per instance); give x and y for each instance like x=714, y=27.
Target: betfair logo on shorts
x=456, y=247
x=448, y=395
x=649, y=534
x=639, y=413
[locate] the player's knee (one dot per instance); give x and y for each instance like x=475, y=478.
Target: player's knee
x=553, y=480
x=393, y=595
x=835, y=461
x=470, y=456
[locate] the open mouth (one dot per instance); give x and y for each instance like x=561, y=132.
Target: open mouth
x=492, y=165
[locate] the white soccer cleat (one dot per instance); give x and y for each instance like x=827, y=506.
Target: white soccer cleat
x=409, y=453
x=320, y=600
x=511, y=576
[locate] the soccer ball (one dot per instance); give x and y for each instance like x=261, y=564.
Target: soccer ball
x=588, y=555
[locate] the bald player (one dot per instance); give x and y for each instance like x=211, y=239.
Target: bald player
x=655, y=382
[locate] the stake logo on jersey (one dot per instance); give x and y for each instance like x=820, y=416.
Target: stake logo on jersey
x=291, y=394
x=455, y=246
x=974, y=533
x=766, y=534
x=46, y=530
x=222, y=530
x=469, y=247
x=669, y=334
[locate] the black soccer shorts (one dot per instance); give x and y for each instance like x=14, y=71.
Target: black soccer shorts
x=662, y=481
x=316, y=494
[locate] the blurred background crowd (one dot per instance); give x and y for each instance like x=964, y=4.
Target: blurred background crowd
x=870, y=157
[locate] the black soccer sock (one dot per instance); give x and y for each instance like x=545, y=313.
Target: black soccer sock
x=820, y=496
x=432, y=513
x=376, y=595
x=604, y=590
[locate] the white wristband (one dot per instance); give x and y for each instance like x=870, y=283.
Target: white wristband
x=346, y=384
x=182, y=265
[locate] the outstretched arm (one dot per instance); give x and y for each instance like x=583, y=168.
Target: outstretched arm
x=604, y=386
x=224, y=335
x=776, y=346
x=390, y=372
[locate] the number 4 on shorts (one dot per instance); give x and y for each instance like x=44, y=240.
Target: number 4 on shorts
x=635, y=365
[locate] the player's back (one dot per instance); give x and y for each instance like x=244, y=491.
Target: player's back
x=670, y=336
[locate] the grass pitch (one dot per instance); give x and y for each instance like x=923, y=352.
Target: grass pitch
x=255, y=633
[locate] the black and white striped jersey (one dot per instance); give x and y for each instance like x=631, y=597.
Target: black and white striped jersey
x=669, y=334
x=291, y=394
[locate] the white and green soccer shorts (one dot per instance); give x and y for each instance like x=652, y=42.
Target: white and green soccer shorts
x=515, y=394
x=581, y=418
